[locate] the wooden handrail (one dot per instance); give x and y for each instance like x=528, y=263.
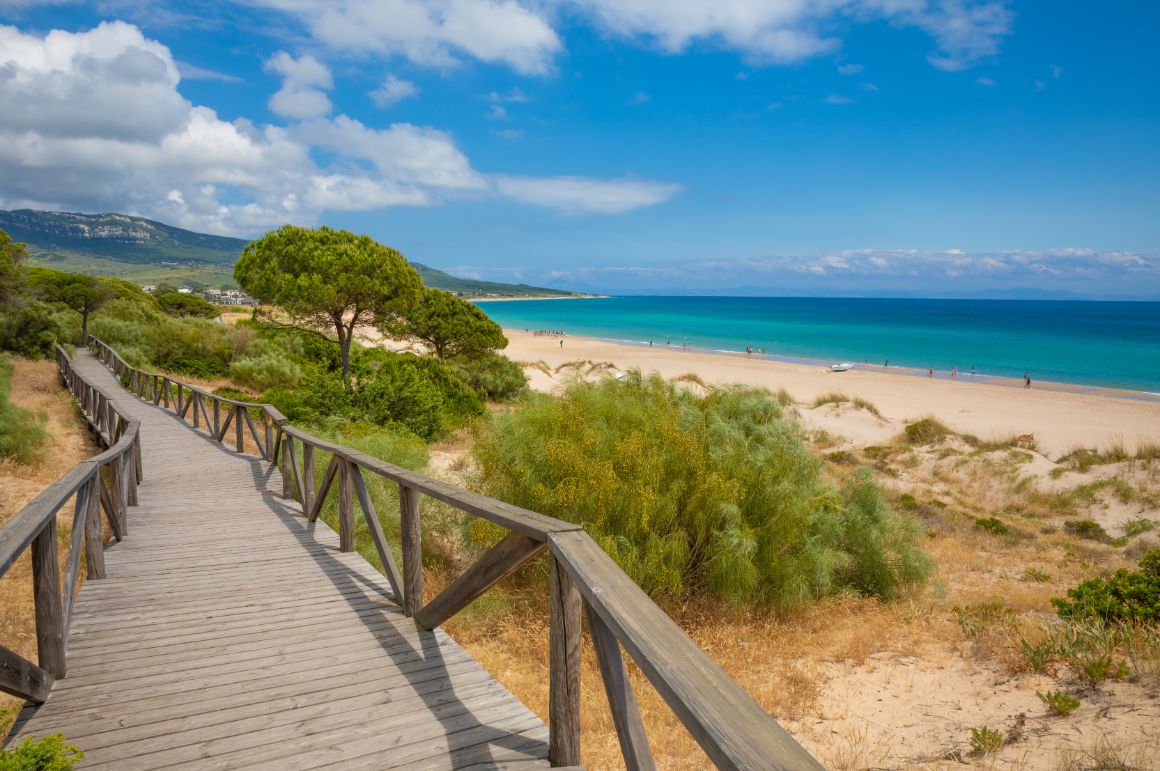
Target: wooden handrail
x=733, y=729
x=107, y=481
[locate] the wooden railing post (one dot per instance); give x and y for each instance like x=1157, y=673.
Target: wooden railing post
x=94, y=543
x=345, y=507
x=287, y=467
x=49, y=608
x=307, y=476
x=564, y=683
x=239, y=440
x=621, y=700
x=412, y=536
x=268, y=454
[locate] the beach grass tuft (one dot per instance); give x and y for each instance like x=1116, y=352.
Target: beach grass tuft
x=836, y=397
x=927, y=431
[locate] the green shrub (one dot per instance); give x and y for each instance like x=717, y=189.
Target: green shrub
x=21, y=433
x=907, y=501
x=1087, y=529
x=1126, y=596
x=707, y=493
x=417, y=393
x=993, y=525
x=47, y=754
x=265, y=371
x=1037, y=655
x=985, y=740
x=1135, y=527
x=493, y=374
x=926, y=431
x=31, y=330
x=1058, y=703
x=1095, y=669
x=182, y=304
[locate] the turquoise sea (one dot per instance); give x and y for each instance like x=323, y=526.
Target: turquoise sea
x=1114, y=344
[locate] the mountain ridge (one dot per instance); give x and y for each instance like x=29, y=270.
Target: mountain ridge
x=77, y=239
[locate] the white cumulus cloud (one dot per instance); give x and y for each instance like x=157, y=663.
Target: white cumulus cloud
x=431, y=32
x=392, y=91
x=585, y=194
x=303, y=82
x=102, y=127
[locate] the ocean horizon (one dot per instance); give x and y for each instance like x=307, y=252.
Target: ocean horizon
x=1114, y=344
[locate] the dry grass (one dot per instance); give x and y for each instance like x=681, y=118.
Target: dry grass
x=35, y=386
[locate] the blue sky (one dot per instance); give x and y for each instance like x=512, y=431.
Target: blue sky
x=836, y=146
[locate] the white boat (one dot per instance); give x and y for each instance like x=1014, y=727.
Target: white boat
x=841, y=367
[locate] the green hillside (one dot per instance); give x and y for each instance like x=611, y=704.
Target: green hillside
x=150, y=252
x=472, y=288
x=117, y=237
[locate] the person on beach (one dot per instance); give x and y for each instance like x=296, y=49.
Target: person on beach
x=886, y=364
x=954, y=373
x=561, y=343
x=749, y=352
x=930, y=372
x=1026, y=380
x=972, y=371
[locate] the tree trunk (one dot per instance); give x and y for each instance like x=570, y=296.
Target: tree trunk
x=344, y=348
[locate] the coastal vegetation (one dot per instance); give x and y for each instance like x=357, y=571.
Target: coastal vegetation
x=713, y=494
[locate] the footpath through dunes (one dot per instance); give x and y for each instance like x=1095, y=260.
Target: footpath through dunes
x=231, y=633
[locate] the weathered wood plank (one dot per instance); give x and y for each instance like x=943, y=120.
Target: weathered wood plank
x=621, y=700
x=412, y=536
x=380, y=539
x=729, y=725
x=46, y=593
x=565, y=612
x=345, y=507
x=22, y=678
x=94, y=540
x=500, y=561
x=327, y=479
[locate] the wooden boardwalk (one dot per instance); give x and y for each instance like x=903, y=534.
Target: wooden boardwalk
x=230, y=633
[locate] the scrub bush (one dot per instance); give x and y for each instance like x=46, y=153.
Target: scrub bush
x=417, y=393
x=687, y=493
x=1126, y=596
x=21, y=434
x=265, y=371
x=493, y=374
x=47, y=754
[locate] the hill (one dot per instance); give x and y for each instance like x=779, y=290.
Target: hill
x=472, y=288
x=117, y=237
x=150, y=252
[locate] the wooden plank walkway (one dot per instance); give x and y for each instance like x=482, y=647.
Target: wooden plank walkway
x=231, y=634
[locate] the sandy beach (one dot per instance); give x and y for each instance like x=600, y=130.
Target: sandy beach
x=1060, y=416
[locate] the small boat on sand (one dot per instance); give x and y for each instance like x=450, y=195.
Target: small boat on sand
x=841, y=367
